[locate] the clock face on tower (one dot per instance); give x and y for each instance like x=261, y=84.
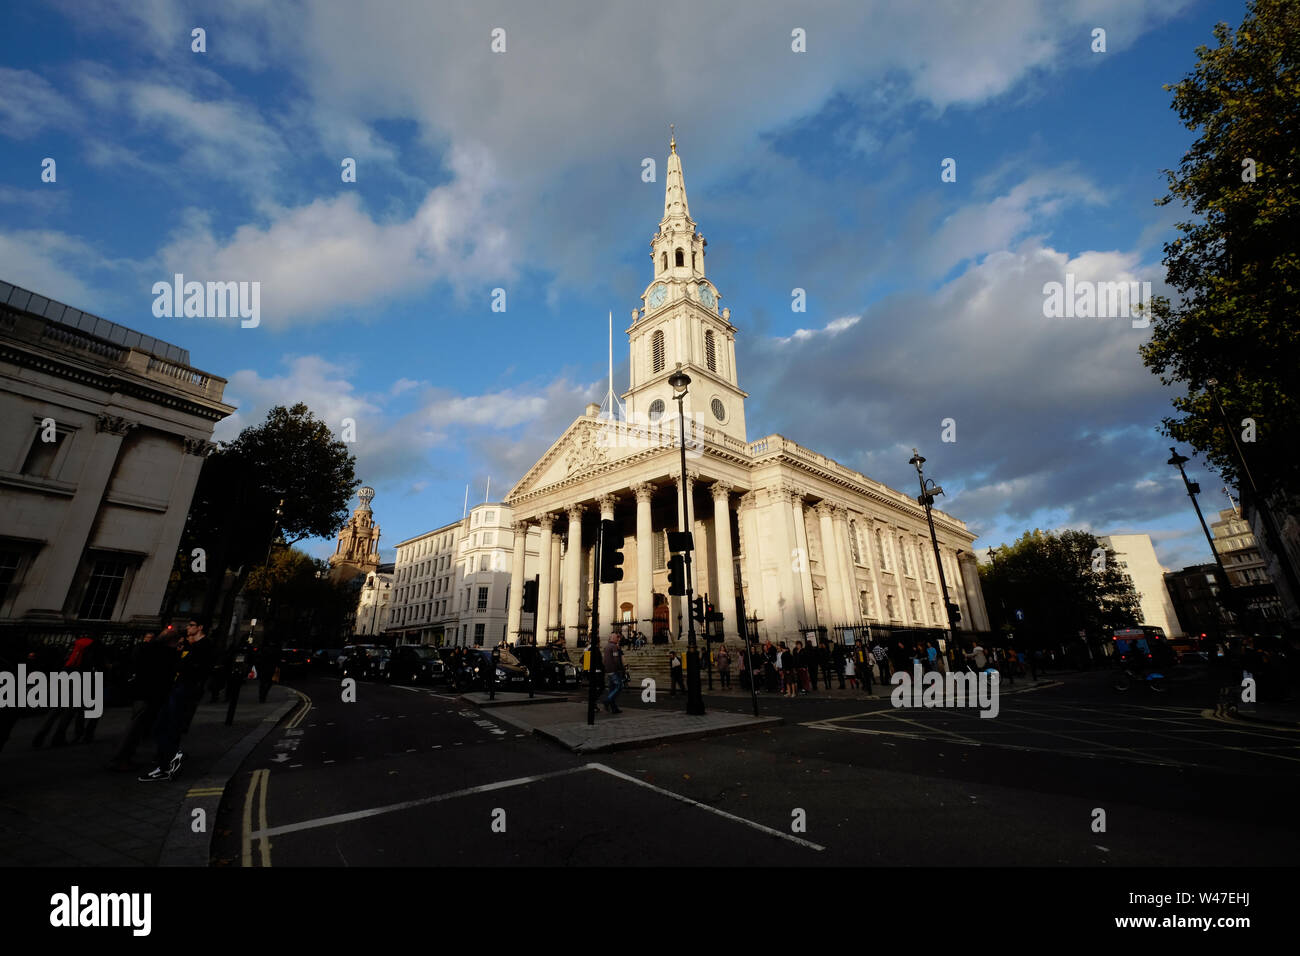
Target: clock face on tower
x=657, y=296
x=706, y=295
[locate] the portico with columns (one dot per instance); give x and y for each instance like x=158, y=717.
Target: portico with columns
x=795, y=538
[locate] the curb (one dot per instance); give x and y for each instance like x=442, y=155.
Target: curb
x=635, y=742
x=184, y=847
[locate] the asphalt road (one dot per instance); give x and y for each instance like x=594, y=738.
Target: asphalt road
x=414, y=777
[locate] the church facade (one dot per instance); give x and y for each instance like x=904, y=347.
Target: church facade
x=787, y=537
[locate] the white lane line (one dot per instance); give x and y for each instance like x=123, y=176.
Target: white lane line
x=409, y=804
x=704, y=806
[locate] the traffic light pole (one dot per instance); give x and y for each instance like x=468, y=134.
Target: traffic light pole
x=694, y=693
x=596, y=665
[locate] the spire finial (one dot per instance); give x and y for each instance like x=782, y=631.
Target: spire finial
x=672, y=138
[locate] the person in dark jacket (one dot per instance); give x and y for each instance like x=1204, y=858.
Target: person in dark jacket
x=195, y=670
x=86, y=655
x=151, y=681
x=612, y=657
x=268, y=659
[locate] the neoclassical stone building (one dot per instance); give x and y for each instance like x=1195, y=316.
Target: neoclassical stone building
x=782, y=533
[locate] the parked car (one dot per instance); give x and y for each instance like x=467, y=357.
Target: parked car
x=510, y=674
x=412, y=663
x=550, y=666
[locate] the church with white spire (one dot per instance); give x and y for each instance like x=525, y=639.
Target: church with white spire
x=795, y=542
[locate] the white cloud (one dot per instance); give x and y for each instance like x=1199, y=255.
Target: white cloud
x=29, y=104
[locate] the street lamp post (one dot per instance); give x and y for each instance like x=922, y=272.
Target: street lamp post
x=694, y=694
x=926, y=499
x=1193, y=489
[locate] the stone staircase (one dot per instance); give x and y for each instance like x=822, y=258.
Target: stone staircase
x=652, y=661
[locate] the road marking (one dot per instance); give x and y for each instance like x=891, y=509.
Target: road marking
x=410, y=804
x=327, y=761
x=704, y=806
x=298, y=718
x=258, y=783
x=205, y=791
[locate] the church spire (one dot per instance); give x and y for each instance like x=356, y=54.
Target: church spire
x=675, y=205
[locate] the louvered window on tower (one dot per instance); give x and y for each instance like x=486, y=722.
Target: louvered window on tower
x=660, y=550
x=710, y=352
x=657, y=351
x=681, y=258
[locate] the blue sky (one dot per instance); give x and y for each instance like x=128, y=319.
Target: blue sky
x=522, y=170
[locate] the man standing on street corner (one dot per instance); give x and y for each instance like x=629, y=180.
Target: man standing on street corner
x=613, y=661
x=195, y=671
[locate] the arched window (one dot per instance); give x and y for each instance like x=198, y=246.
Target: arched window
x=663, y=262
x=657, y=351
x=681, y=257
x=880, y=550
x=904, y=558
x=710, y=351
x=853, y=542
x=692, y=260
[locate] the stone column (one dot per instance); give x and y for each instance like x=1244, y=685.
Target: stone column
x=56, y=564
x=755, y=598
x=573, y=577
x=725, y=601
x=515, y=611
x=544, y=582
x=608, y=592
x=831, y=558
x=644, y=558
x=849, y=581
x=803, y=567
x=790, y=591
x=553, y=610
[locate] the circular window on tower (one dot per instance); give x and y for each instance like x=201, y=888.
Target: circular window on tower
x=656, y=409
x=719, y=410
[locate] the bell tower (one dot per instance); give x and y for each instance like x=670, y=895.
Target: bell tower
x=681, y=323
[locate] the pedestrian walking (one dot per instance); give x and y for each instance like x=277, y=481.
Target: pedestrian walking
x=86, y=655
x=724, y=667
x=613, y=660
x=675, y=670
x=824, y=662
x=931, y=657
x=805, y=661
x=849, y=669
x=173, y=720
x=268, y=662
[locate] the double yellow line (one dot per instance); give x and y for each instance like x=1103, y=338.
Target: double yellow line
x=256, y=794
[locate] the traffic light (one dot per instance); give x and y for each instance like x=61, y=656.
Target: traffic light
x=697, y=609
x=955, y=611
x=611, y=552
x=530, y=596
x=676, y=575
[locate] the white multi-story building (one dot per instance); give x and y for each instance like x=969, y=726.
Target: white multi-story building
x=451, y=586
x=1137, y=556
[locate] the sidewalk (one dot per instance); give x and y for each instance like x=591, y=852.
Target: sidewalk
x=564, y=721
x=1285, y=714
x=59, y=806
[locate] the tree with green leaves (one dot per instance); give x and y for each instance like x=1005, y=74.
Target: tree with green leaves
x=1236, y=265
x=289, y=475
x=1056, y=579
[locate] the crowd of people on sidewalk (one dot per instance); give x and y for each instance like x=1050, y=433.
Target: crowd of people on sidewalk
x=799, y=670
x=164, y=677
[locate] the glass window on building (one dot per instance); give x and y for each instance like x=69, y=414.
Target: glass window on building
x=482, y=599
x=103, y=589
x=478, y=635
